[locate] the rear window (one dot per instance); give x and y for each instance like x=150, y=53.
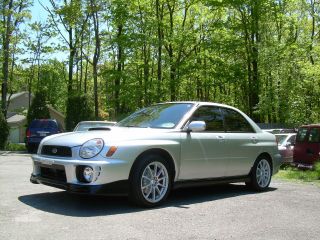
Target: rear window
x=43, y=124
x=314, y=135
x=302, y=133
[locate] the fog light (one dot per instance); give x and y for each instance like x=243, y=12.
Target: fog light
x=88, y=174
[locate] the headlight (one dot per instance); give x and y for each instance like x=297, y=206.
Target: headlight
x=91, y=148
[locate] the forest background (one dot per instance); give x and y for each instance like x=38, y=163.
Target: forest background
x=261, y=56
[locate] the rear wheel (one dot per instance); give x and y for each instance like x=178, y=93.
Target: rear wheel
x=150, y=181
x=260, y=175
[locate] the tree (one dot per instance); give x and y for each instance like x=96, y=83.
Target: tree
x=78, y=109
x=38, y=108
x=4, y=129
x=12, y=13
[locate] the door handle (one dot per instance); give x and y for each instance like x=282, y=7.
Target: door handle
x=221, y=138
x=254, y=139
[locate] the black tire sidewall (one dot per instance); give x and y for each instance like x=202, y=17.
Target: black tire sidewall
x=135, y=193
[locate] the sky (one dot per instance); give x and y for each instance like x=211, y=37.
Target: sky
x=39, y=14
x=37, y=11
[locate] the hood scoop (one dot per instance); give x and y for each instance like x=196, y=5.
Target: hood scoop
x=99, y=129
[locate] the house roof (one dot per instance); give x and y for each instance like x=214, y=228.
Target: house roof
x=16, y=119
x=16, y=95
x=55, y=111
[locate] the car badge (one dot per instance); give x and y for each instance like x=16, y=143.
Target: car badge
x=54, y=150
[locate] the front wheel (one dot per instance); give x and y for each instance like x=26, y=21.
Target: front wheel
x=260, y=175
x=150, y=181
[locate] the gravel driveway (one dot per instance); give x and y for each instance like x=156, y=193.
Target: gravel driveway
x=28, y=211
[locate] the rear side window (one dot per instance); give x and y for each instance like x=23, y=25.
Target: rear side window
x=302, y=133
x=235, y=122
x=314, y=135
x=43, y=124
x=211, y=116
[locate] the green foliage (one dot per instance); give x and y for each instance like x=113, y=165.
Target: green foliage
x=291, y=173
x=260, y=56
x=4, y=130
x=38, y=108
x=15, y=147
x=79, y=108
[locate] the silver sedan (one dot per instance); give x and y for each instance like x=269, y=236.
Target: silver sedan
x=158, y=148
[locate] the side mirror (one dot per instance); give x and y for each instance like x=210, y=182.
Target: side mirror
x=196, y=126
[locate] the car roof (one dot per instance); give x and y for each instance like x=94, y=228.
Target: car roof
x=285, y=134
x=311, y=125
x=202, y=103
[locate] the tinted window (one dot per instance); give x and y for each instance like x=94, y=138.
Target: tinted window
x=314, y=135
x=211, y=116
x=301, y=135
x=43, y=124
x=235, y=122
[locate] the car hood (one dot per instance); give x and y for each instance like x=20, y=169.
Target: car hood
x=115, y=134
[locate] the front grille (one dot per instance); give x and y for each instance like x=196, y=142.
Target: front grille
x=59, y=151
x=53, y=172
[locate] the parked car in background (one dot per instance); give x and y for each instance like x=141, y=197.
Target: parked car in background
x=39, y=129
x=280, y=130
x=86, y=125
x=286, y=142
x=307, y=149
x=157, y=148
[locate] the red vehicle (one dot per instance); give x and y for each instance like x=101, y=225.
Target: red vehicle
x=307, y=149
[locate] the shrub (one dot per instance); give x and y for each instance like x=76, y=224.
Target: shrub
x=79, y=109
x=38, y=108
x=4, y=130
x=15, y=147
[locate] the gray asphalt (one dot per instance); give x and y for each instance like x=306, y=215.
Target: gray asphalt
x=28, y=211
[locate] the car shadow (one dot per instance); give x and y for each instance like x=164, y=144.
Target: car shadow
x=67, y=204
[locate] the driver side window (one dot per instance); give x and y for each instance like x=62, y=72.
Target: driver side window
x=211, y=116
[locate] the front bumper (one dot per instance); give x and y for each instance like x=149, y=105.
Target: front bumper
x=110, y=189
x=110, y=175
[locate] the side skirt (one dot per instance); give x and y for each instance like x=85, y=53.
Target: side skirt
x=209, y=181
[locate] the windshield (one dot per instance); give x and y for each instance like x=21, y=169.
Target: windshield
x=281, y=139
x=166, y=115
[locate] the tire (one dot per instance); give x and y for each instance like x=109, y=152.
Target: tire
x=30, y=149
x=260, y=176
x=150, y=187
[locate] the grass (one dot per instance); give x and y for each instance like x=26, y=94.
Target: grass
x=294, y=174
x=15, y=147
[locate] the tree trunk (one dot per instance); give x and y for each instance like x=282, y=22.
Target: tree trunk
x=6, y=37
x=119, y=70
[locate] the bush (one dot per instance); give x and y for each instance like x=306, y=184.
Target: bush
x=38, y=108
x=79, y=109
x=15, y=147
x=292, y=173
x=4, y=130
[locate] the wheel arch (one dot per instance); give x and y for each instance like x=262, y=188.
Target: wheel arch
x=158, y=151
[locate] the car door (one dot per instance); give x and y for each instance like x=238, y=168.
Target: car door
x=243, y=147
x=311, y=152
x=203, y=153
